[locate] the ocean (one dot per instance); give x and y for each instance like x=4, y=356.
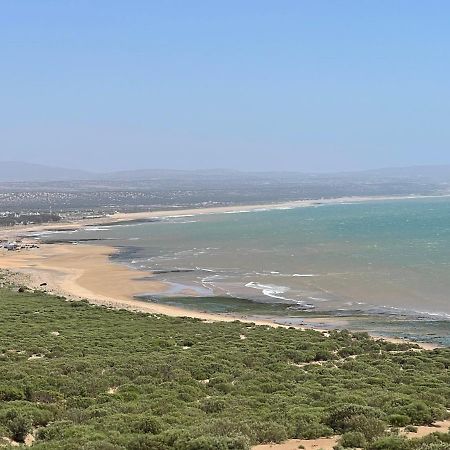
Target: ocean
x=389, y=259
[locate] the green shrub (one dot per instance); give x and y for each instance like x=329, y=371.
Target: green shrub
x=370, y=427
x=213, y=405
x=164, y=401
x=390, y=443
x=340, y=416
x=323, y=355
x=353, y=439
x=399, y=420
x=420, y=413
x=102, y=445
x=146, y=424
x=54, y=431
x=18, y=425
x=309, y=427
x=143, y=442
x=9, y=394
x=270, y=432
x=437, y=438
x=435, y=446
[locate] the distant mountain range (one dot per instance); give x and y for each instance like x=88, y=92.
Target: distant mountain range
x=432, y=172
x=17, y=171
x=12, y=171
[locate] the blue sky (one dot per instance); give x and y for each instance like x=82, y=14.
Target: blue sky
x=248, y=84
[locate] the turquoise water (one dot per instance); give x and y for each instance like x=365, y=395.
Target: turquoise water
x=389, y=257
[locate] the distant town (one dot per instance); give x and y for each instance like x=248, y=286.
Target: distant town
x=10, y=218
x=36, y=202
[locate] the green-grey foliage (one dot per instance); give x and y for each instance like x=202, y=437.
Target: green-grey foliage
x=85, y=377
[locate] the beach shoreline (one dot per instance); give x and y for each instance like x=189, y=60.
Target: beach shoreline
x=86, y=271
x=118, y=217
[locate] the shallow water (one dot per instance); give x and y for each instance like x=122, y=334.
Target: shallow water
x=389, y=257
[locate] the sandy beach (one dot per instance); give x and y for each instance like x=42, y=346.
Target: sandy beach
x=86, y=272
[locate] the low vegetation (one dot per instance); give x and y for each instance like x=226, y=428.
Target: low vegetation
x=10, y=219
x=77, y=376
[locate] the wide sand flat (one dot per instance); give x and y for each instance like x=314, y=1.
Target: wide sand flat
x=82, y=270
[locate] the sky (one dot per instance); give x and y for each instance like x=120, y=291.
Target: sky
x=311, y=86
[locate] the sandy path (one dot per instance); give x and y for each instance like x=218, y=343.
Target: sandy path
x=308, y=444
x=422, y=431
x=329, y=443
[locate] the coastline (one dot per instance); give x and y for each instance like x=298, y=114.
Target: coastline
x=86, y=271
x=117, y=218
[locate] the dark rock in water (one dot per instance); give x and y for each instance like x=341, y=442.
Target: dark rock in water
x=128, y=222
x=75, y=241
x=21, y=289
x=160, y=272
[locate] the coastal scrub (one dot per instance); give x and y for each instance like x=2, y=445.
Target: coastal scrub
x=74, y=375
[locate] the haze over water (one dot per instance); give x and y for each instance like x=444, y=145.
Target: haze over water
x=384, y=257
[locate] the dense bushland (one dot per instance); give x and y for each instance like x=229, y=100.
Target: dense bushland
x=84, y=377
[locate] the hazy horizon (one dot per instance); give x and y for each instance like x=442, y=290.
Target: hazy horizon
x=307, y=87
x=105, y=171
